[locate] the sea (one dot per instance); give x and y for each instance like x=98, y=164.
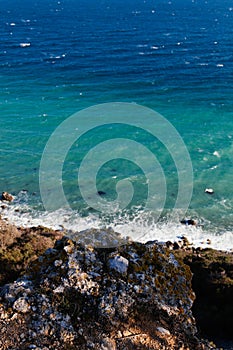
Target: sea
x=107, y=103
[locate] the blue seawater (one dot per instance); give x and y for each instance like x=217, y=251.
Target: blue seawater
x=175, y=57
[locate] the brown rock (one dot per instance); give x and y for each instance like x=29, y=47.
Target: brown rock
x=70, y=298
x=7, y=197
x=20, y=246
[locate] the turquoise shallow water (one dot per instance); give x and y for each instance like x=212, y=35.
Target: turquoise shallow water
x=175, y=57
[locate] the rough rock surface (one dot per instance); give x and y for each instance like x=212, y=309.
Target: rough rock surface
x=213, y=286
x=138, y=296
x=20, y=246
x=7, y=197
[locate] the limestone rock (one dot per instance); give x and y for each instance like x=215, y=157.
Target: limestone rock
x=136, y=296
x=119, y=263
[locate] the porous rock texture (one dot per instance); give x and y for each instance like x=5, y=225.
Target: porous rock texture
x=136, y=296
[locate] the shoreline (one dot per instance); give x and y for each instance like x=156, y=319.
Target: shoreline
x=22, y=215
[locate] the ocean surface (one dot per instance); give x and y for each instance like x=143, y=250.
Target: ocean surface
x=58, y=58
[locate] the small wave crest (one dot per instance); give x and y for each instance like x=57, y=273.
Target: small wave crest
x=139, y=226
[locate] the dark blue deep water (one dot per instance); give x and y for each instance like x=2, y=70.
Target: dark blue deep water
x=175, y=57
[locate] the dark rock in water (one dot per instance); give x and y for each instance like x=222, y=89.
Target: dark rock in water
x=188, y=222
x=209, y=191
x=177, y=245
x=101, y=193
x=7, y=197
x=136, y=296
x=185, y=241
x=169, y=245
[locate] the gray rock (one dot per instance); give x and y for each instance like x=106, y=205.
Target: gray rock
x=163, y=330
x=81, y=297
x=119, y=264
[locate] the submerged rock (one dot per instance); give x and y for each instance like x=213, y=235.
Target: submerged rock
x=101, y=193
x=137, y=296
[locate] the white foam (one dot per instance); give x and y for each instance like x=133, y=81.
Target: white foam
x=216, y=154
x=25, y=44
x=203, y=64
x=140, y=228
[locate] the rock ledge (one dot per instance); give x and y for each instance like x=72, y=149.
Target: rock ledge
x=137, y=296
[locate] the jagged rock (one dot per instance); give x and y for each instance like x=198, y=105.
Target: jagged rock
x=99, y=238
x=136, y=296
x=185, y=241
x=7, y=197
x=118, y=263
x=177, y=245
x=169, y=245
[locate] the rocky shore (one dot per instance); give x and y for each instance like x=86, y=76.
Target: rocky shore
x=56, y=293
